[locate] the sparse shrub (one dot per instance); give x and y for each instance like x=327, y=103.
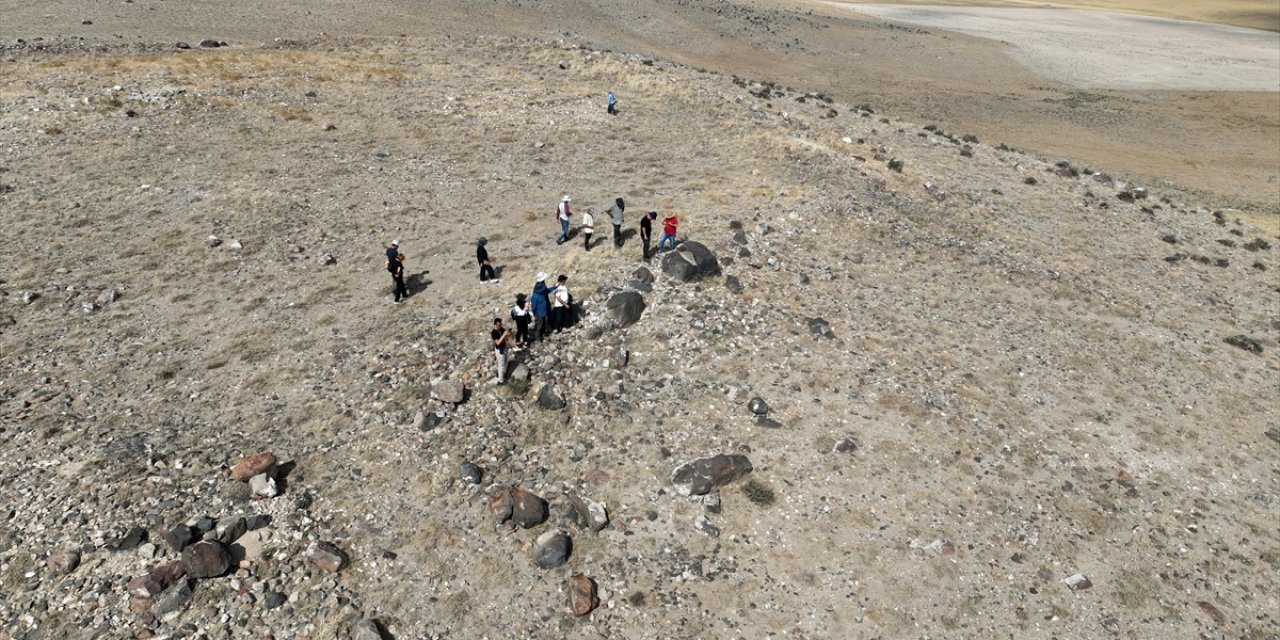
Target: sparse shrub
x=53, y=130
x=294, y=113
x=758, y=493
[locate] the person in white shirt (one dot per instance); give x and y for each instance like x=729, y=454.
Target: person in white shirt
x=588, y=227
x=561, y=301
x=562, y=214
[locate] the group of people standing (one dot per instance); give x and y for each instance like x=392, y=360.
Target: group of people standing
x=549, y=309
x=670, y=226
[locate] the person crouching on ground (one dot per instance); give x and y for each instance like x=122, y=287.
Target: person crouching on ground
x=499, y=335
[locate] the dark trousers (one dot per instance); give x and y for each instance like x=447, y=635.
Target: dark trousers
x=540, y=327
x=646, y=249
x=586, y=241
x=522, y=330
x=559, y=318
x=401, y=291
x=486, y=272
x=617, y=235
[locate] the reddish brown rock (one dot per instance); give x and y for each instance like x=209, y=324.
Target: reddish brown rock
x=500, y=505
x=582, y=595
x=253, y=465
x=527, y=510
x=150, y=585
x=327, y=556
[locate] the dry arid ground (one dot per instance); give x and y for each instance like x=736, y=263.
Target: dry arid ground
x=1021, y=378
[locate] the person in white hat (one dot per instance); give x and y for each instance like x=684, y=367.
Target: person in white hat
x=562, y=214
x=540, y=306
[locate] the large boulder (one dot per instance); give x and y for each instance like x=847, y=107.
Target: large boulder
x=550, y=400
x=690, y=261
x=624, y=308
x=552, y=549
x=703, y=476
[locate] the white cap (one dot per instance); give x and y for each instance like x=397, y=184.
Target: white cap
x=395, y=242
x=566, y=199
x=542, y=276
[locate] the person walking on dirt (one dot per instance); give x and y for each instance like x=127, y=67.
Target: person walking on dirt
x=588, y=227
x=615, y=216
x=482, y=257
x=646, y=231
x=613, y=104
x=669, y=226
x=499, y=335
x=522, y=314
x=562, y=214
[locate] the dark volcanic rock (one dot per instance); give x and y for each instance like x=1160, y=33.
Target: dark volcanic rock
x=470, y=472
x=1244, y=342
x=624, y=308
x=549, y=399
x=552, y=549
x=179, y=537
x=130, y=540
x=527, y=509
x=703, y=476
x=758, y=406
x=588, y=514
x=690, y=261
x=206, y=559
x=820, y=327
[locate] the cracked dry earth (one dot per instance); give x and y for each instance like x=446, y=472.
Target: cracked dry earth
x=981, y=393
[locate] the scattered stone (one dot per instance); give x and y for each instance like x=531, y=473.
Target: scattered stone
x=551, y=549
x=449, y=392
x=296, y=248
x=500, y=505
x=1213, y=612
x=173, y=602
x=711, y=502
x=703, y=476
x=154, y=583
x=327, y=556
x=107, y=297
x=732, y=283
x=758, y=406
x=365, y=629
x=235, y=245
x=582, y=595
x=624, y=308
x=548, y=399
x=527, y=509
x=64, y=561
x=847, y=444
x=249, y=546
x=210, y=43
x=589, y=514
x=1274, y=434
x=212, y=241
x=1078, y=582
x=703, y=523
x=895, y=165
x=130, y=540
x=30, y=296
x=1244, y=342
x=274, y=599
x=643, y=274
x=228, y=530
x=470, y=472
x=206, y=559
x=820, y=327
x=327, y=260
x=263, y=486
x=253, y=465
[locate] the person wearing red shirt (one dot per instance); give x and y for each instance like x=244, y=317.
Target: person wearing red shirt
x=669, y=226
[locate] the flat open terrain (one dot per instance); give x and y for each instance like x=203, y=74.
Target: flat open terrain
x=1018, y=339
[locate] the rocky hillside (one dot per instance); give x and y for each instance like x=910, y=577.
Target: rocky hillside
x=897, y=381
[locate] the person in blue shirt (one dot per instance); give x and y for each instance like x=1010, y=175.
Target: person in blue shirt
x=613, y=104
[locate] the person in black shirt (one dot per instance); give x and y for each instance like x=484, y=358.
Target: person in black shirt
x=522, y=314
x=482, y=257
x=499, y=336
x=646, y=231
x=397, y=277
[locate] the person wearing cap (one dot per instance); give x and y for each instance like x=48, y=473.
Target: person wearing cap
x=393, y=250
x=588, y=227
x=482, y=257
x=646, y=231
x=561, y=302
x=563, y=214
x=540, y=306
x=615, y=216
x=499, y=334
x=522, y=314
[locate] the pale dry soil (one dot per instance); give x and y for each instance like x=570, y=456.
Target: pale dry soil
x=1035, y=389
